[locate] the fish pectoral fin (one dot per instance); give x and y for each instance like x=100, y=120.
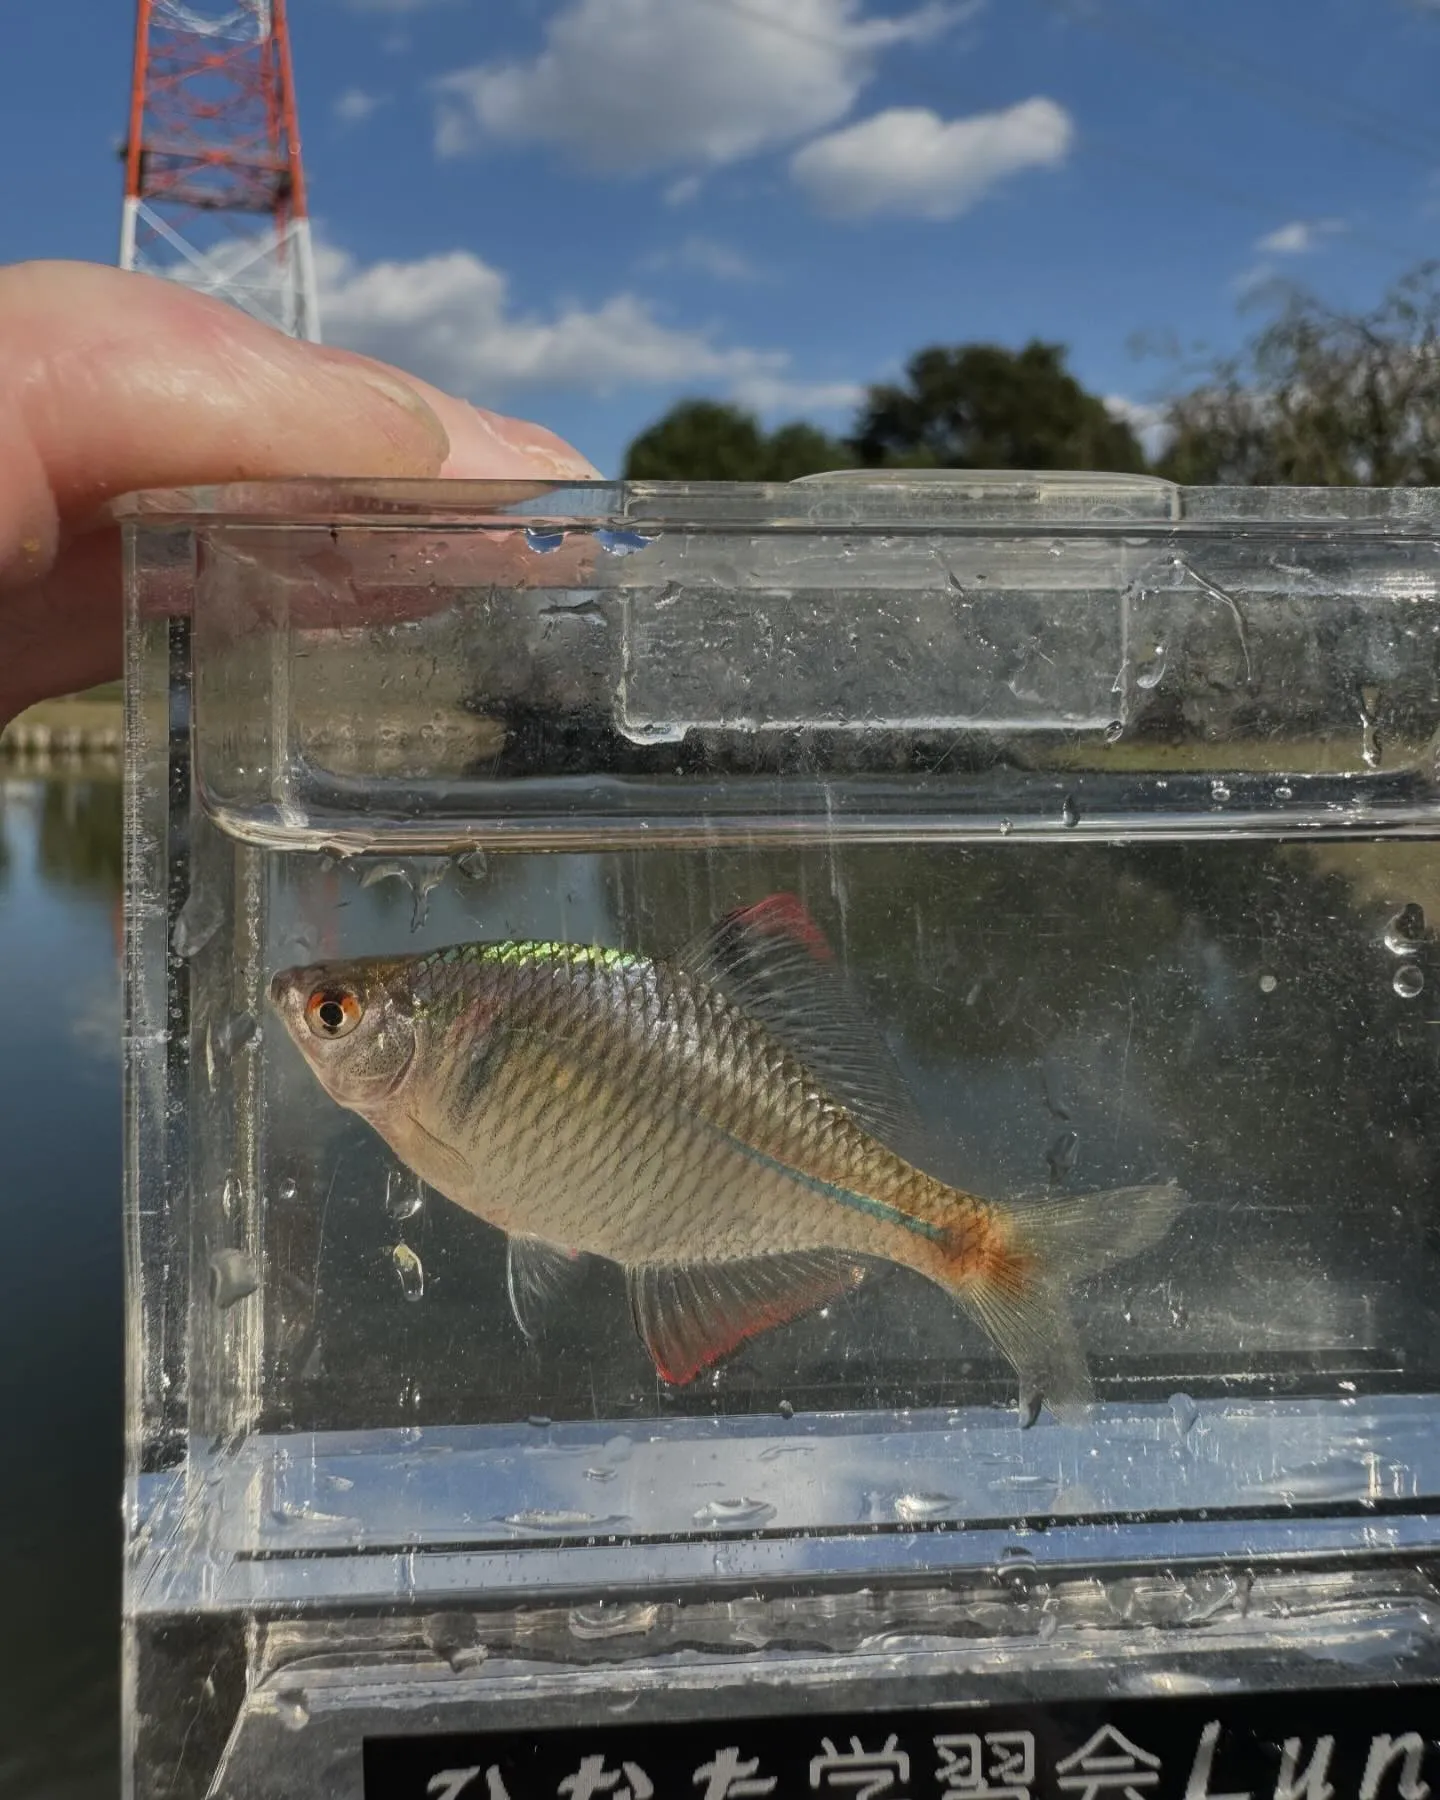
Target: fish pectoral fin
x=538, y=1278
x=689, y=1315
x=773, y=962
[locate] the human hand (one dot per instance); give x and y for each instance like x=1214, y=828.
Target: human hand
x=111, y=382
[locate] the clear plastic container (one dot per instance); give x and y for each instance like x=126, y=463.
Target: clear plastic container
x=1116, y=806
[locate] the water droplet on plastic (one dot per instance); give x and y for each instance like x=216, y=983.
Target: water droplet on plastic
x=623, y=543
x=232, y=1277
x=543, y=542
x=739, y=1511
x=1153, y=672
x=292, y=1710
x=1405, y=934
x=786, y=1409
x=1370, y=745
x=1048, y=1626
x=598, y=1474
x=410, y=1270
x=474, y=865
x=1069, y=813
x=1006, y=827
x=541, y=1421
x=914, y=1509
x=1268, y=984
x=1219, y=792
x=1114, y=731
x=1016, y=1573
x=1184, y=1412
x=1409, y=980
x=609, y=1619
x=404, y=1195
x=1284, y=791
x=288, y=1188
x=196, y=923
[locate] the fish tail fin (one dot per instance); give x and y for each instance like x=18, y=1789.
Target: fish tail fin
x=1012, y=1276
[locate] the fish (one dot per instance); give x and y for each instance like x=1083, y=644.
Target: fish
x=720, y=1123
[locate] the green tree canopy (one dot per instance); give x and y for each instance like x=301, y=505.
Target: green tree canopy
x=980, y=406
x=1321, y=398
x=703, y=440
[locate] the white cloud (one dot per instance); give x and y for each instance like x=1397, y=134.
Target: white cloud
x=1299, y=236
x=449, y=319
x=704, y=256
x=683, y=191
x=910, y=161
x=1145, y=419
x=354, y=106
x=631, y=85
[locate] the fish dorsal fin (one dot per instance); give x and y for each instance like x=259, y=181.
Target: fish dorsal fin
x=689, y=1315
x=538, y=1278
x=773, y=961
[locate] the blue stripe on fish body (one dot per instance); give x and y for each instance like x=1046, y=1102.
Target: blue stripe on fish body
x=865, y=1203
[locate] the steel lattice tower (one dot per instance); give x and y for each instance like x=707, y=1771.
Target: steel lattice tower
x=214, y=189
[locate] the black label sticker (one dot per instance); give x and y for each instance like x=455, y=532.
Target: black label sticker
x=1380, y=1744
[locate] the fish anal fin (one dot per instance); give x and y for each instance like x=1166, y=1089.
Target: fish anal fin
x=772, y=961
x=539, y=1276
x=689, y=1315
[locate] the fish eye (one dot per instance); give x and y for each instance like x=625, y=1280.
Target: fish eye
x=332, y=1011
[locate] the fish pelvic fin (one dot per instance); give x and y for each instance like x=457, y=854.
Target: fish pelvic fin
x=1012, y=1270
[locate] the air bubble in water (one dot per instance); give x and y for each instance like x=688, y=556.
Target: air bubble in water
x=410, y=1270
x=786, y=1409
x=1405, y=934
x=1069, y=813
x=1219, y=792
x=1153, y=672
x=1114, y=731
x=292, y=1710
x=542, y=542
x=421, y=875
x=1284, y=791
x=1409, y=980
x=288, y=1188
x=1268, y=984
x=404, y=1196
x=232, y=1277
x=196, y=923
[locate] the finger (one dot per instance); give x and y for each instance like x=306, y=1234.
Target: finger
x=111, y=382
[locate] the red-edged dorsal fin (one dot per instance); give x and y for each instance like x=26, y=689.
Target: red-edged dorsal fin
x=689, y=1315
x=773, y=962
x=784, y=915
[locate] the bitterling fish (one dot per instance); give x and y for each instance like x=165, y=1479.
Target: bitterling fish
x=716, y=1123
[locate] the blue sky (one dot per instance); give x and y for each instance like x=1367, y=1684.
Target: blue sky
x=581, y=209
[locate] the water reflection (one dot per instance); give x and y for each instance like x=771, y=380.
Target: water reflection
x=60, y=1324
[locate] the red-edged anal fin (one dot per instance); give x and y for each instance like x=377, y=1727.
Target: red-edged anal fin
x=689, y=1315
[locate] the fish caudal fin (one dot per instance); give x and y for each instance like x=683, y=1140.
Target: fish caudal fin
x=1015, y=1288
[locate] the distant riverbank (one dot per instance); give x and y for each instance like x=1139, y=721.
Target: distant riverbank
x=88, y=725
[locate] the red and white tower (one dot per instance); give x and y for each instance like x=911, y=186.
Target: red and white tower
x=214, y=190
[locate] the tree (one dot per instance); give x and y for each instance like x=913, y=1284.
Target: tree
x=702, y=440
x=1322, y=398
x=980, y=406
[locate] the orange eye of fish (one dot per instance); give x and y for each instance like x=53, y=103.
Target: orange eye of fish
x=331, y=1012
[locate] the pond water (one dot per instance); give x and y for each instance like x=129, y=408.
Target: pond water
x=61, y=1372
